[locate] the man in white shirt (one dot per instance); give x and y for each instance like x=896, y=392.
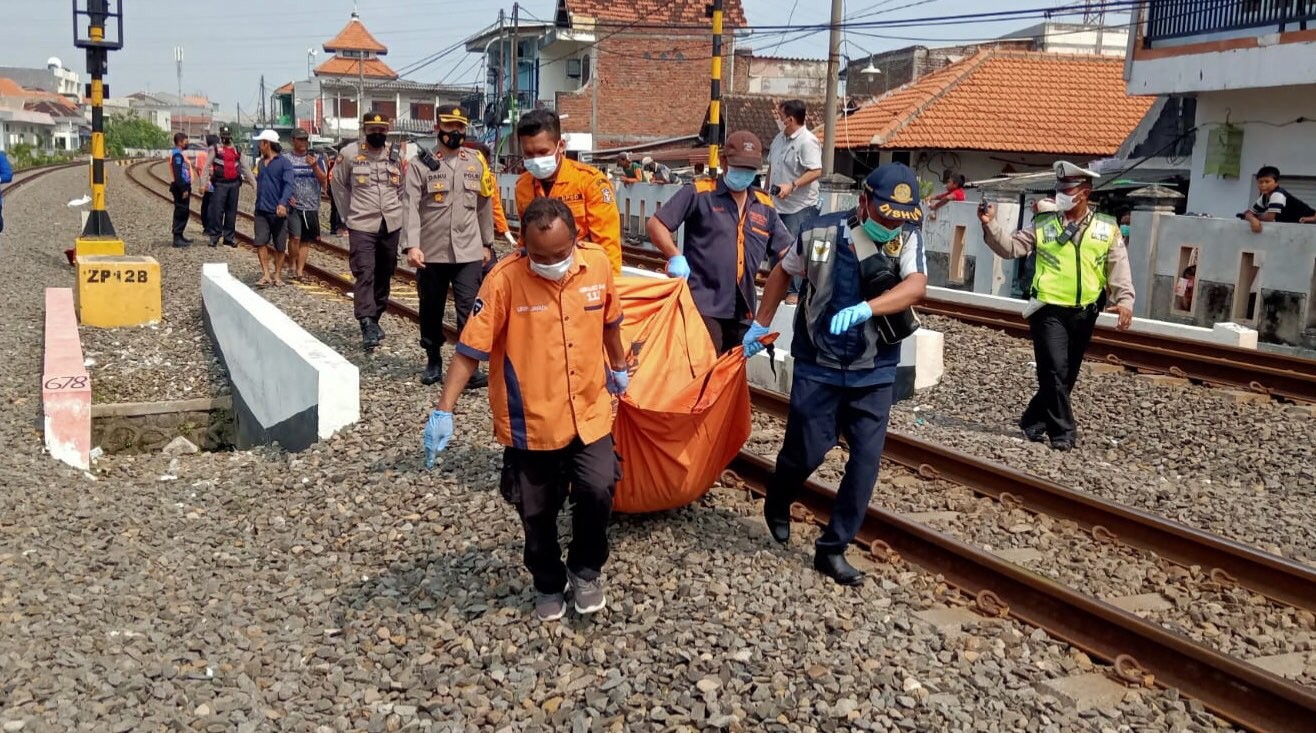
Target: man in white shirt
x=795, y=165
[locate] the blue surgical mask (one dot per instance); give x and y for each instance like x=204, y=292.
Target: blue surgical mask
x=879, y=233
x=739, y=179
x=1124, y=230
x=542, y=167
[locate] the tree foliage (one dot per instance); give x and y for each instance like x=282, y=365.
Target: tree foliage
x=128, y=131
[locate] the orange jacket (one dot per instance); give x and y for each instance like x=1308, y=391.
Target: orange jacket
x=589, y=195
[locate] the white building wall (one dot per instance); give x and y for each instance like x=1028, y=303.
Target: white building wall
x=1268, y=139
x=1269, y=64
x=553, y=73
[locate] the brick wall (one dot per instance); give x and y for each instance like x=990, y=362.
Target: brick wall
x=649, y=88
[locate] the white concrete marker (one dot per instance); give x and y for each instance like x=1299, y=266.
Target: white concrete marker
x=288, y=386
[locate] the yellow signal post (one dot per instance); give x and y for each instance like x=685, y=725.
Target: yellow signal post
x=715, y=97
x=98, y=235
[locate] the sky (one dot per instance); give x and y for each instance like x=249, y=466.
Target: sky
x=272, y=38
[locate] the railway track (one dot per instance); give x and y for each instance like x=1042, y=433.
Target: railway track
x=35, y=173
x=1142, y=651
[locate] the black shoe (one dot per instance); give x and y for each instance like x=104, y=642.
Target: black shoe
x=379, y=331
x=185, y=239
x=214, y=241
x=180, y=242
x=433, y=372
x=231, y=243
x=778, y=527
x=1035, y=435
x=479, y=380
x=1062, y=444
x=369, y=339
x=835, y=566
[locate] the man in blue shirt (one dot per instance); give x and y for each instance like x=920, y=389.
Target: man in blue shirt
x=310, y=174
x=181, y=187
x=6, y=175
x=274, y=191
x=863, y=272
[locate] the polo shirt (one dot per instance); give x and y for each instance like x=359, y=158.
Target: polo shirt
x=791, y=157
x=724, y=246
x=589, y=195
x=544, y=344
x=1287, y=208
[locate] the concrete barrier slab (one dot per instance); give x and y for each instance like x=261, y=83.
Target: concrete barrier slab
x=65, y=384
x=288, y=386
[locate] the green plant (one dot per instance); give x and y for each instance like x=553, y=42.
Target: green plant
x=124, y=131
x=26, y=155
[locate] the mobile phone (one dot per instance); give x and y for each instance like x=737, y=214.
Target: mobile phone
x=775, y=190
x=982, y=206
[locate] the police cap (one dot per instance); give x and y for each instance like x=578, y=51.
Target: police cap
x=374, y=119
x=300, y=134
x=1068, y=174
x=893, y=187
x=454, y=114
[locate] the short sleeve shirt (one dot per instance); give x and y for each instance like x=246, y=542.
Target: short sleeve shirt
x=544, y=342
x=723, y=250
x=305, y=185
x=913, y=258
x=790, y=158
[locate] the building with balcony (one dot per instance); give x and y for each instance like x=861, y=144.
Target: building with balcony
x=1249, y=63
x=355, y=80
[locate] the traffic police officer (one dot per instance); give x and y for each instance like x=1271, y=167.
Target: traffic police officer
x=448, y=233
x=716, y=213
x=367, y=187
x=863, y=272
x=1081, y=261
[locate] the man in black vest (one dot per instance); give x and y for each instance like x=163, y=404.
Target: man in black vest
x=863, y=272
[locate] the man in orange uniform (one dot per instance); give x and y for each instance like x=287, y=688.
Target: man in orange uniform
x=584, y=189
x=543, y=320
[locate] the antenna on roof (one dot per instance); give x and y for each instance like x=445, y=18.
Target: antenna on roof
x=355, y=14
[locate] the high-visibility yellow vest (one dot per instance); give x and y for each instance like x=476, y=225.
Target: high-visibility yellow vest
x=1073, y=273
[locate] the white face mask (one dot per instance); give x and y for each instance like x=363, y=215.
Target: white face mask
x=1064, y=202
x=555, y=271
x=542, y=167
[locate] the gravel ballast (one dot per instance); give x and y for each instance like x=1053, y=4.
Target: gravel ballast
x=346, y=588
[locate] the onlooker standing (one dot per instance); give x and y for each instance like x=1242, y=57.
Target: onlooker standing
x=544, y=320
x=228, y=170
x=448, y=234
x=274, y=192
x=203, y=185
x=715, y=214
x=1081, y=259
x=1275, y=204
x=795, y=165
x=954, y=192
x=310, y=175
x=181, y=188
x=584, y=189
x=6, y=175
x=367, y=183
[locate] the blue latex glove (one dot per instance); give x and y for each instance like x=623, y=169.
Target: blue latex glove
x=438, y=431
x=850, y=317
x=618, y=381
x=751, y=342
x=678, y=267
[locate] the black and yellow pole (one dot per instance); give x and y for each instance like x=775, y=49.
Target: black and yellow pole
x=715, y=98
x=98, y=235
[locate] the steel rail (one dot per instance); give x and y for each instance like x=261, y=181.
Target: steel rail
x=1141, y=651
x=34, y=173
x=1227, y=561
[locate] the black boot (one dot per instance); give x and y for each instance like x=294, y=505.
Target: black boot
x=214, y=241
x=180, y=242
x=478, y=380
x=185, y=239
x=379, y=331
x=433, y=369
x=369, y=340
x=778, y=526
x=834, y=566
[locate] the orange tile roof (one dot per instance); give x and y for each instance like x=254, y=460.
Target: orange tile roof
x=355, y=37
x=11, y=88
x=684, y=12
x=285, y=89
x=1000, y=100
x=339, y=66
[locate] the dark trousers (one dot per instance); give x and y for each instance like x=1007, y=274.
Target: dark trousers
x=373, y=257
x=1060, y=337
x=181, y=208
x=819, y=414
x=432, y=283
x=335, y=221
x=795, y=224
x=536, y=483
x=207, y=225
x=224, y=210
x=727, y=333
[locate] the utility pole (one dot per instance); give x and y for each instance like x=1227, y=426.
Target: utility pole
x=263, y=120
x=833, y=77
x=715, y=92
x=178, y=61
x=498, y=91
x=514, y=108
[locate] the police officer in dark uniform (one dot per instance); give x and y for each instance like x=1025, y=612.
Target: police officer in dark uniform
x=864, y=270
x=367, y=185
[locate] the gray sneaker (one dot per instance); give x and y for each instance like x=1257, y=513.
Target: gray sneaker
x=550, y=606
x=588, y=594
